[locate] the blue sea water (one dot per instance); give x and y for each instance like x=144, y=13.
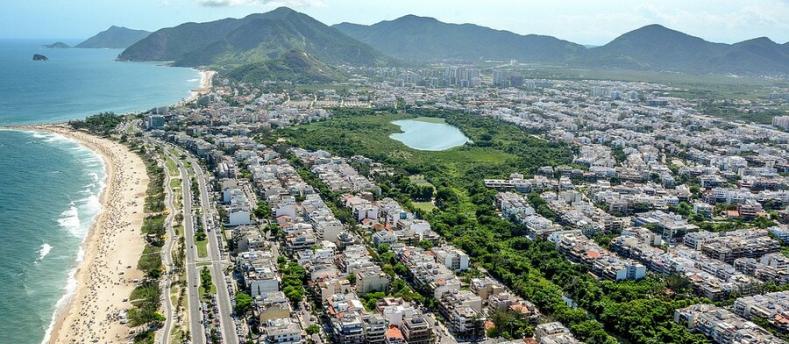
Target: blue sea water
x=49, y=185
x=75, y=83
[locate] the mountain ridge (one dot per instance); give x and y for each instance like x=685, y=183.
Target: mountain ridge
x=656, y=47
x=651, y=47
x=115, y=37
x=418, y=38
x=231, y=43
x=255, y=38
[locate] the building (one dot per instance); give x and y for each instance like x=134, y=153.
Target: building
x=781, y=122
x=454, y=259
x=154, y=122
x=282, y=331
x=374, y=329
x=554, y=333
x=774, y=307
x=416, y=330
x=722, y=326
x=371, y=279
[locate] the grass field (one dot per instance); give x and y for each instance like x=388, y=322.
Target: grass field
x=202, y=248
x=424, y=206
x=172, y=169
x=419, y=179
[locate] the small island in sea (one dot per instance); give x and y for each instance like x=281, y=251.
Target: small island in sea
x=39, y=57
x=57, y=45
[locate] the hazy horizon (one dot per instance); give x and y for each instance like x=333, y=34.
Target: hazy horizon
x=578, y=21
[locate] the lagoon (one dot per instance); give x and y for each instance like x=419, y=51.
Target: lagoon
x=428, y=134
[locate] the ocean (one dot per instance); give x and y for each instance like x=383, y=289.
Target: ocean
x=50, y=185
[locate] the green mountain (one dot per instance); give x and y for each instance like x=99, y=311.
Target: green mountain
x=252, y=39
x=294, y=66
x=655, y=47
x=652, y=47
x=116, y=37
x=424, y=39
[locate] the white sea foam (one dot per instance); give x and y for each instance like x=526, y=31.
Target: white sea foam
x=80, y=215
x=39, y=134
x=69, y=220
x=193, y=80
x=43, y=251
x=94, y=176
x=69, y=290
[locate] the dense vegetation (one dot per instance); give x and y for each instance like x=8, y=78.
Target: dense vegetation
x=243, y=303
x=602, y=311
x=146, y=297
x=293, y=66
x=206, y=283
x=294, y=277
x=114, y=38
x=99, y=124
x=255, y=38
x=154, y=196
x=413, y=38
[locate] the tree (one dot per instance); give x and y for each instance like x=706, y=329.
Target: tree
x=313, y=329
x=243, y=303
x=205, y=279
x=262, y=211
x=426, y=244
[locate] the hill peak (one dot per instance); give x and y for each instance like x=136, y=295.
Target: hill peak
x=255, y=38
x=426, y=39
x=656, y=30
x=114, y=37
x=282, y=11
x=757, y=41
x=412, y=18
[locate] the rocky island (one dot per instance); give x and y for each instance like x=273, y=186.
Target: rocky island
x=57, y=45
x=39, y=57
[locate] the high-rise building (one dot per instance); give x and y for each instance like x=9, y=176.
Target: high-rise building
x=781, y=122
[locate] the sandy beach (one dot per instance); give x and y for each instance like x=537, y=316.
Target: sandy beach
x=206, y=82
x=105, y=277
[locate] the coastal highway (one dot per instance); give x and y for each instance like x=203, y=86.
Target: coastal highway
x=227, y=323
x=196, y=331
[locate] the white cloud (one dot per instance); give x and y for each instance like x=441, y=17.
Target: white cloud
x=227, y=3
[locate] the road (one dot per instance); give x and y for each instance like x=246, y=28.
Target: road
x=226, y=321
x=197, y=331
x=167, y=260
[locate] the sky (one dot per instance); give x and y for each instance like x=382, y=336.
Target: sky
x=592, y=22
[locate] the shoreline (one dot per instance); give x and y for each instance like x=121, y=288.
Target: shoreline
x=106, y=273
x=206, y=83
x=89, y=311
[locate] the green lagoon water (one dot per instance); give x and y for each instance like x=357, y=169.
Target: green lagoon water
x=50, y=186
x=428, y=134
